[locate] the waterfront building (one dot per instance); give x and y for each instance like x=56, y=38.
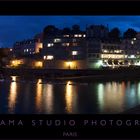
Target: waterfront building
x=71, y=48
x=64, y=49
x=104, y=54
x=132, y=51
x=27, y=47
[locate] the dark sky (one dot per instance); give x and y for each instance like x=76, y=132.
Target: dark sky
x=16, y=28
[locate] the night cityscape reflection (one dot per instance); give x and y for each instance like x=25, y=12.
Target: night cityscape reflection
x=85, y=65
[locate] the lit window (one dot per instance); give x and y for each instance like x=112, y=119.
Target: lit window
x=10, y=49
x=66, y=44
x=66, y=35
x=75, y=35
x=132, y=42
x=50, y=57
x=84, y=35
x=105, y=51
x=134, y=39
x=44, y=57
x=50, y=44
x=57, y=40
x=78, y=35
x=74, y=52
x=27, y=50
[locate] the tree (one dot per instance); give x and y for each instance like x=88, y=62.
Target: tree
x=114, y=34
x=66, y=31
x=129, y=34
x=75, y=28
x=50, y=30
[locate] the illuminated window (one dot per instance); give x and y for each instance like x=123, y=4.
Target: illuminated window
x=105, y=51
x=74, y=52
x=66, y=35
x=134, y=39
x=38, y=64
x=84, y=35
x=50, y=44
x=44, y=57
x=76, y=35
x=27, y=50
x=10, y=49
x=57, y=40
x=132, y=56
x=50, y=57
x=132, y=42
x=66, y=44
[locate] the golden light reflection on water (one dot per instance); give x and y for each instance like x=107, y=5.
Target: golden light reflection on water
x=111, y=96
x=44, y=97
x=68, y=97
x=38, y=99
x=71, y=97
x=12, y=95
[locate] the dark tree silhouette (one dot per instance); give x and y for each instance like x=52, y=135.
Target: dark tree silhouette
x=66, y=31
x=129, y=34
x=114, y=34
x=50, y=30
x=75, y=28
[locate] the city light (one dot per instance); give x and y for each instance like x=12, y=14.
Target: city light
x=132, y=42
x=57, y=40
x=44, y=57
x=74, y=53
x=66, y=35
x=50, y=57
x=50, y=44
x=38, y=64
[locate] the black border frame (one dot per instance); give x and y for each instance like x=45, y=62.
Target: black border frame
x=69, y=8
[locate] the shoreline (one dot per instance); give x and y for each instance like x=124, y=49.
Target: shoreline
x=81, y=74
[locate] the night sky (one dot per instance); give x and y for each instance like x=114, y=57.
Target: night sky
x=16, y=28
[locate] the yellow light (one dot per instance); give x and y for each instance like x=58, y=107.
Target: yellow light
x=38, y=98
x=38, y=64
x=69, y=63
x=68, y=97
x=15, y=63
x=13, y=95
x=112, y=56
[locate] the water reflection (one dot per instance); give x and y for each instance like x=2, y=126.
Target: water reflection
x=12, y=95
x=71, y=98
x=111, y=97
x=38, y=98
x=48, y=98
x=44, y=97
